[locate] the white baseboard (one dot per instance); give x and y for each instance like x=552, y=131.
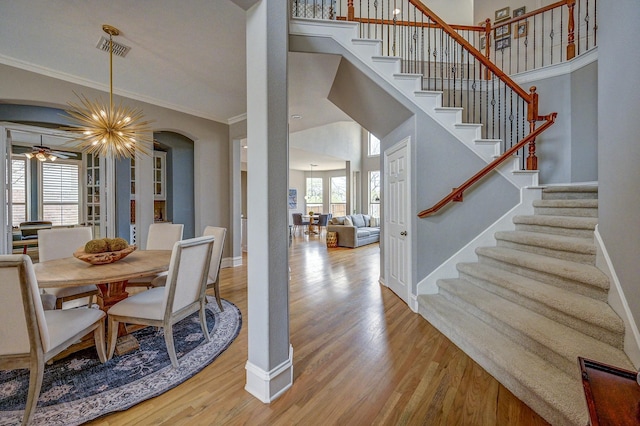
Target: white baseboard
x=618, y=302
x=468, y=253
x=267, y=386
x=231, y=262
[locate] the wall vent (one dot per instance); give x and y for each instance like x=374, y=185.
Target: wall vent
x=118, y=49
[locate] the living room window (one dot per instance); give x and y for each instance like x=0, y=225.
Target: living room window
x=60, y=195
x=338, y=205
x=374, y=145
x=314, y=195
x=374, y=193
x=18, y=191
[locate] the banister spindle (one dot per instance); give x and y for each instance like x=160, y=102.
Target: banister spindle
x=571, y=44
x=350, y=11
x=532, y=116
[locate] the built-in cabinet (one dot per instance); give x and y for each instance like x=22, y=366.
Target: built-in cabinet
x=93, y=193
x=159, y=175
x=159, y=191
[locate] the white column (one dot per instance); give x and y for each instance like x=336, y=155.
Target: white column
x=269, y=367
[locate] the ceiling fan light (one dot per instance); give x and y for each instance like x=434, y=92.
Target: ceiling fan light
x=52, y=157
x=40, y=156
x=28, y=155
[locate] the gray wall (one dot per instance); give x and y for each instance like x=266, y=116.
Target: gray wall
x=568, y=150
x=619, y=142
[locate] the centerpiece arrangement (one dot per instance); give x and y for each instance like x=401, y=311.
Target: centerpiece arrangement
x=101, y=251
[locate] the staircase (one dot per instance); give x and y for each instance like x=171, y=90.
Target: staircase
x=535, y=302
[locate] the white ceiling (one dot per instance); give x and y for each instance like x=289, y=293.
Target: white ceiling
x=187, y=55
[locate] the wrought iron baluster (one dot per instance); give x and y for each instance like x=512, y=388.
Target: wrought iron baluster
x=551, y=34
x=586, y=28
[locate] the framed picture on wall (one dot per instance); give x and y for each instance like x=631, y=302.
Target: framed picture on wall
x=520, y=29
x=293, y=198
x=502, y=31
x=502, y=14
x=519, y=11
x=483, y=42
x=503, y=43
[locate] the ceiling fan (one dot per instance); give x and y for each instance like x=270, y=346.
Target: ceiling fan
x=44, y=153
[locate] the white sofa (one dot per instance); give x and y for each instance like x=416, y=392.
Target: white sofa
x=362, y=229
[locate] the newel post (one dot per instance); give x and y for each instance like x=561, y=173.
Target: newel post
x=487, y=45
x=350, y=11
x=571, y=45
x=532, y=116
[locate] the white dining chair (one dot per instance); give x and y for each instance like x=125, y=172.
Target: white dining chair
x=161, y=236
x=183, y=295
x=213, y=279
x=63, y=242
x=30, y=335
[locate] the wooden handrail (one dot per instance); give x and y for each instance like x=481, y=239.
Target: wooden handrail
x=531, y=14
x=457, y=193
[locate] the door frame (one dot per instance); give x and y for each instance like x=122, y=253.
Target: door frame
x=403, y=144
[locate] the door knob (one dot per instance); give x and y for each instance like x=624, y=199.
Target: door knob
x=403, y=233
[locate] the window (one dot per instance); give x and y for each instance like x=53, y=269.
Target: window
x=19, y=190
x=314, y=195
x=374, y=193
x=60, y=194
x=374, y=145
x=338, y=200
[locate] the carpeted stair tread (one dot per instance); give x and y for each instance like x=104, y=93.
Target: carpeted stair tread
x=588, y=223
x=593, y=317
x=550, y=241
x=549, y=339
x=546, y=269
x=549, y=391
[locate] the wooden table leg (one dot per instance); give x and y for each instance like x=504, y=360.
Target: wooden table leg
x=109, y=295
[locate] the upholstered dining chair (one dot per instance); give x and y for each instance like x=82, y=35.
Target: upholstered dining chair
x=161, y=236
x=298, y=222
x=30, y=335
x=213, y=280
x=183, y=295
x=323, y=220
x=63, y=242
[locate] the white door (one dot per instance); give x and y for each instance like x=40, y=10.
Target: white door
x=397, y=248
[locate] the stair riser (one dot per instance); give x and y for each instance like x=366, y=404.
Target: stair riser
x=569, y=366
x=593, y=330
x=555, y=230
x=588, y=259
x=551, y=279
x=548, y=410
x=566, y=211
x=569, y=195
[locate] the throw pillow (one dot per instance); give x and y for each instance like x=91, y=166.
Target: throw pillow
x=367, y=220
x=347, y=221
x=338, y=220
x=358, y=220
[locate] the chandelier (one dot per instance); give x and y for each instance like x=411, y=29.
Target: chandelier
x=115, y=132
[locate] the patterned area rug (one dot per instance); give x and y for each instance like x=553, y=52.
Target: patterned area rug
x=79, y=388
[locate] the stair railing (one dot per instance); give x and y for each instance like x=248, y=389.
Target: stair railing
x=447, y=60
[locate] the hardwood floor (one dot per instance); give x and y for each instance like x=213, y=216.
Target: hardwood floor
x=361, y=357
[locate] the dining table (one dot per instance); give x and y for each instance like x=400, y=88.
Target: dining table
x=313, y=223
x=111, y=279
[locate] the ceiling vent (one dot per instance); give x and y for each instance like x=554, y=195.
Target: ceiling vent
x=118, y=49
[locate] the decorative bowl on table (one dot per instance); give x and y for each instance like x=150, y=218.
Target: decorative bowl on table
x=104, y=257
